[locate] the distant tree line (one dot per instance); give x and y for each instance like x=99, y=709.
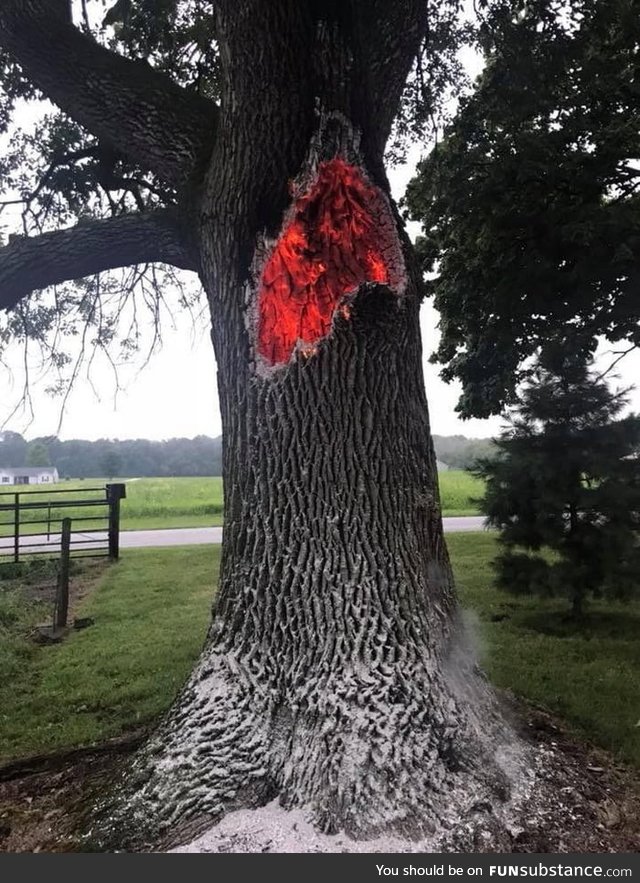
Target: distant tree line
x=460, y=452
x=202, y=455
x=78, y=458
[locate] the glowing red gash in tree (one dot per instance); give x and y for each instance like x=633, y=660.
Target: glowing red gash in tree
x=330, y=245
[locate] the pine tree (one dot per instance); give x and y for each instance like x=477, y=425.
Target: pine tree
x=567, y=479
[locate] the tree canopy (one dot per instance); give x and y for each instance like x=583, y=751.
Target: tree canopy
x=530, y=205
x=136, y=86
x=78, y=458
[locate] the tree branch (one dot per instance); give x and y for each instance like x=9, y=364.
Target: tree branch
x=31, y=263
x=127, y=104
x=390, y=34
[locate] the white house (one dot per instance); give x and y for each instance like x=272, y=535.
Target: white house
x=28, y=475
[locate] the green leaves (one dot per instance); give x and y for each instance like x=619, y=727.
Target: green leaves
x=529, y=207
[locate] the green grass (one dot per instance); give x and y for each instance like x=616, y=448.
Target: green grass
x=459, y=491
x=153, y=503
x=151, y=612
x=588, y=674
x=150, y=503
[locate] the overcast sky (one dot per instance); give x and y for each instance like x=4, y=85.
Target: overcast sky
x=175, y=394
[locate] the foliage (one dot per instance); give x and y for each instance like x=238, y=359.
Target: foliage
x=567, y=479
x=37, y=454
x=77, y=458
x=530, y=207
x=151, y=612
x=460, y=452
x=13, y=449
x=54, y=173
x=111, y=463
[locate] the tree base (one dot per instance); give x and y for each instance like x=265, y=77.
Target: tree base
x=582, y=800
x=402, y=751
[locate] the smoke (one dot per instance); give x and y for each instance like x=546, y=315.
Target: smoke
x=488, y=714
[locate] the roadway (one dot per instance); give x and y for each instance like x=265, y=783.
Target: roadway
x=183, y=536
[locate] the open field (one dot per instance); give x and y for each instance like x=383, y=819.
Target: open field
x=189, y=502
x=151, y=612
x=150, y=503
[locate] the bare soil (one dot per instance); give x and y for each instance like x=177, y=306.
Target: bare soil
x=592, y=802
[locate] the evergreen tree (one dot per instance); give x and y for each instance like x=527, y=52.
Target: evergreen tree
x=567, y=479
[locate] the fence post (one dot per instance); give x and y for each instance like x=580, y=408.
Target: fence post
x=115, y=493
x=16, y=527
x=62, y=595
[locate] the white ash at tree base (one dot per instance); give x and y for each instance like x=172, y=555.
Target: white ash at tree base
x=560, y=806
x=271, y=828
x=584, y=800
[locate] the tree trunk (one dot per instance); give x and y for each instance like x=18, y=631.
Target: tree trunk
x=336, y=673
x=579, y=588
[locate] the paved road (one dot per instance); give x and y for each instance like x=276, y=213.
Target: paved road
x=185, y=536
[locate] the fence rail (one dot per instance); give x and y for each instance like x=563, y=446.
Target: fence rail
x=18, y=536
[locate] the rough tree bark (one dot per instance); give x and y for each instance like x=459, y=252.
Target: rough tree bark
x=335, y=672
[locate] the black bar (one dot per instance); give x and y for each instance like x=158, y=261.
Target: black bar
x=49, y=544
x=16, y=528
x=93, y=530
x=83, y=518
x=55, y=545
x=115, y=493
x=7, y=550
x=86, y=555
x=62, y=595
x=62, y=504
x=77, y=490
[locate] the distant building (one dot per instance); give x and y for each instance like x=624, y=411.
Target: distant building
x=442, y=467
x=28, y=475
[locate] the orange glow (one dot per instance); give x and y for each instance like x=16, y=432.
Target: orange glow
x=329, y=248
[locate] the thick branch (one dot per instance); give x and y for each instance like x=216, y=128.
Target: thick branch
x=389, y=33
x=128, y=105
x=31, y=263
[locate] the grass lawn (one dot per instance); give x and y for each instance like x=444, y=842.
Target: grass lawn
x=589, y=674
x=459, y=491
x=192, y=502
x=151, y=612
x=150, y=503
